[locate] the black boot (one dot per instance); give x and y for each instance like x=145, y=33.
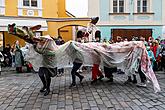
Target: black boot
x=100, y=78
x=72, y=85
x=110, y=79
x=94, y=81
x=81, y=78
x=43, y=89
x=134, y=79
x=128, y=80
x=47, y=92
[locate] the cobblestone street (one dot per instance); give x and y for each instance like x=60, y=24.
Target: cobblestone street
x=21, y=92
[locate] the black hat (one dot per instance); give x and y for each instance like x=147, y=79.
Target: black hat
x=94, y=20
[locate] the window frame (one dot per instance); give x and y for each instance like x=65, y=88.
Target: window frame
x=143, y=8
x=118, y=6
x=30, y=4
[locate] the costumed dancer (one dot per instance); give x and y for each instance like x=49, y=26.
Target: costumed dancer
x=77, y=63
x=91, y=28
x=48, y=68
x=109, y=69
x=95, y=69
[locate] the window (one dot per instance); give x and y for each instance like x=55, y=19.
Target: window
x=142, y=6
x=118, y=6
x=26, y=3
x=115, y=6
x=121, y=6
x=31, y=3
x=139, y=6
x=34, y=3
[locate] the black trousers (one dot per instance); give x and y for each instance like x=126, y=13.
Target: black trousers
x=74, y=72
x=163, y=62
x=45, y=77
x=142, y=75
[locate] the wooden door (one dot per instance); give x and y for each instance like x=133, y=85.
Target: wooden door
x=129, y=33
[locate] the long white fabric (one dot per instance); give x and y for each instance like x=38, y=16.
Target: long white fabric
x=124, y=55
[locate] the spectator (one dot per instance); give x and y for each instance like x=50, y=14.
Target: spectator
x=7, y=55
x=18, y=57
x=162, y=52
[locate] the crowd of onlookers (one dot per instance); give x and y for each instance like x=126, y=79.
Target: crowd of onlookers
x=14, y=57
x=154, y=47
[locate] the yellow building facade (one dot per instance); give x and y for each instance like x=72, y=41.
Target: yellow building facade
x=51, y=14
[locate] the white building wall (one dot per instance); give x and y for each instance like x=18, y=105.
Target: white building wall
x=93, y=8
x=163, y=12
x=2, y=7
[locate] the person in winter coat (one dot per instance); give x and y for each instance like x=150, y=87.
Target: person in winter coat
x=18, y=58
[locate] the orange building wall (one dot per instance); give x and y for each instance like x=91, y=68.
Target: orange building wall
x=50, y=9
x=11, y=7
x=10, y=39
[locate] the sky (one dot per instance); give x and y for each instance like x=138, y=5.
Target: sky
x=79, y=8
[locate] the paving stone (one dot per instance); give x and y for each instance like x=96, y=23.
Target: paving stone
x=20, y=105
x=94, y=108
x=3, y=106
x=10, y=108
x=154, y=109
x=92, y=103
x=124, y=104
x=24, y=100
x=60, y=104
x=83, y=100
x=159, y=108
x=45, y=106
x=20, y=109
x=8, y=101
x=99, y=101
x=144, y=108
x=102, y=107
x=69, y=107
x=114, y=101
x=148, y=105
x=77, y=105
x=128, y=108
x=14, y=103
x=28, y=107
x=85, y=106
x=52, y=107
x=118, y=107
x=136, y=107
x=137, y=102
x=162, y=105
x=37, y=104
